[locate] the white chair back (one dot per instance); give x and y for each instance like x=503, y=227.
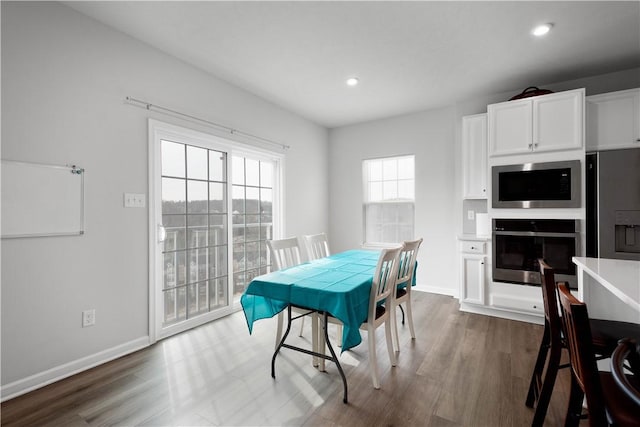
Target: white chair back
x=317, y=245
x=407, y=267
x=284, y=253
x=384, y=279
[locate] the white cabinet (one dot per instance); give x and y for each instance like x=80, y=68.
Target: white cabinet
x=541, y=123
x=613, y=120
x=515, y=303
x=472, y=271
x=474, y=156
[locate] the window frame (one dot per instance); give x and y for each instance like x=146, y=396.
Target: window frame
x=366, y=202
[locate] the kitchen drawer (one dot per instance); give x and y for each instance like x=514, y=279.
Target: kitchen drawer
x=518, y=304
x=473, y=247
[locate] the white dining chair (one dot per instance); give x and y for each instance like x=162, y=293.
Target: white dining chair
x=383, y=287
x=286, y=253
x=406, y=272
x=317, y=245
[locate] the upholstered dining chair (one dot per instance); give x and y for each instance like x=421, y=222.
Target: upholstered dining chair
x=286, y=253
x=606, y=403
x=407, y=269
x=382, y=291
x=605, y=336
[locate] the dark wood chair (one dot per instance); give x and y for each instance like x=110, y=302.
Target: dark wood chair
x=605, y=336
x=626, y=358
x=606, y=402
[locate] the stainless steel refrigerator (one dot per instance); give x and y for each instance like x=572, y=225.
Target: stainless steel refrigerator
x=613, y=204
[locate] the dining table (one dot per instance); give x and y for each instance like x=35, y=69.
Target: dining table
x=338, y=286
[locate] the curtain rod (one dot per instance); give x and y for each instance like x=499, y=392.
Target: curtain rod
x=152, y=107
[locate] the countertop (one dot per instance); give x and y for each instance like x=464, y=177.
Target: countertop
x=473, y=237
x=620, y=277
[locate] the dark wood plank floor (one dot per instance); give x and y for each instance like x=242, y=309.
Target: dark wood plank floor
x=462, y=370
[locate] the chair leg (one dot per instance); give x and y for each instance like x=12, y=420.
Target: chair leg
x=539, y=366
x=387, y=332
x=301, y=326
x=279, y=329
x=373, y=362
x=340, y=335
x=574, y=409
x=394, y=328
x=410, y=318
x=547, y=387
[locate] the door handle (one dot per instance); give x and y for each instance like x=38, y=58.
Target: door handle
x=162, y=233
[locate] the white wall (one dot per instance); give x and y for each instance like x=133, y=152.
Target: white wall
x=428, y=135
x=64, y=81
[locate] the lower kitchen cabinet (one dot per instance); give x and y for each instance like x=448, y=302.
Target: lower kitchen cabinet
x=480, y=294
x=524, y=304
x=472, y=271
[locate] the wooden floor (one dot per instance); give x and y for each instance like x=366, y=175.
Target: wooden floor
x=462, y=370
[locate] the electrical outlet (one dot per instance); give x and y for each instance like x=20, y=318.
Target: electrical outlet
x=471, y=215
x=88, y=318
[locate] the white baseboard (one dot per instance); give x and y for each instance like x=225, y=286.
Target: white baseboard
x=437, y=290
x=25, y=385
x=504, y=314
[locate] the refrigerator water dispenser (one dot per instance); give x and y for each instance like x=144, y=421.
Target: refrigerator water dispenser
x=627, y=233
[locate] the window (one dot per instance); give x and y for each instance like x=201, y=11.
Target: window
x=389, y=198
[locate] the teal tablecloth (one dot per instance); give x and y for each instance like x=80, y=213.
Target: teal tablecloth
x=339, y=284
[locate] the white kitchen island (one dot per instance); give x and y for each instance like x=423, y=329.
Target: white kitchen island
x=610, y=288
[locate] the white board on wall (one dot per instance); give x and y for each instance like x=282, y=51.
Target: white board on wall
x=41, y=200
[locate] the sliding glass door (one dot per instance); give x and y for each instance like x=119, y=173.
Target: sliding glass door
x=213, y=209
x=194, y=213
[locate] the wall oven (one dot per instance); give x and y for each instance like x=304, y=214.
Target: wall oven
x=537, y=185
x=518, y=243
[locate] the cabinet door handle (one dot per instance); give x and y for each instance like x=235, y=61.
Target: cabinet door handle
x=535, y=145
x=482, y=263
x=638, y=140
x=530, y=146
x=473, y=247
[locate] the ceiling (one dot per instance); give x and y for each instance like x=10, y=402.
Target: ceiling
x=408, y=56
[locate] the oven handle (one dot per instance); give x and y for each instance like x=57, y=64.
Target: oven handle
x=534, y=234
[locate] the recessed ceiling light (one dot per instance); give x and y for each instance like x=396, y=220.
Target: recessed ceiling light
x=541, y=30
x=352, y=81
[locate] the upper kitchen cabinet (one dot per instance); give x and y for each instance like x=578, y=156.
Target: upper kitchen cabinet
x=613, y=120
x=474, y=156
x=541, y=123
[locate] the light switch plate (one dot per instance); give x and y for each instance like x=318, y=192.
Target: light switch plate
x=134, y=200
x=471, y=215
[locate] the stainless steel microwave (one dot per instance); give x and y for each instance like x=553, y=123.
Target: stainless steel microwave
x=537, y=185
